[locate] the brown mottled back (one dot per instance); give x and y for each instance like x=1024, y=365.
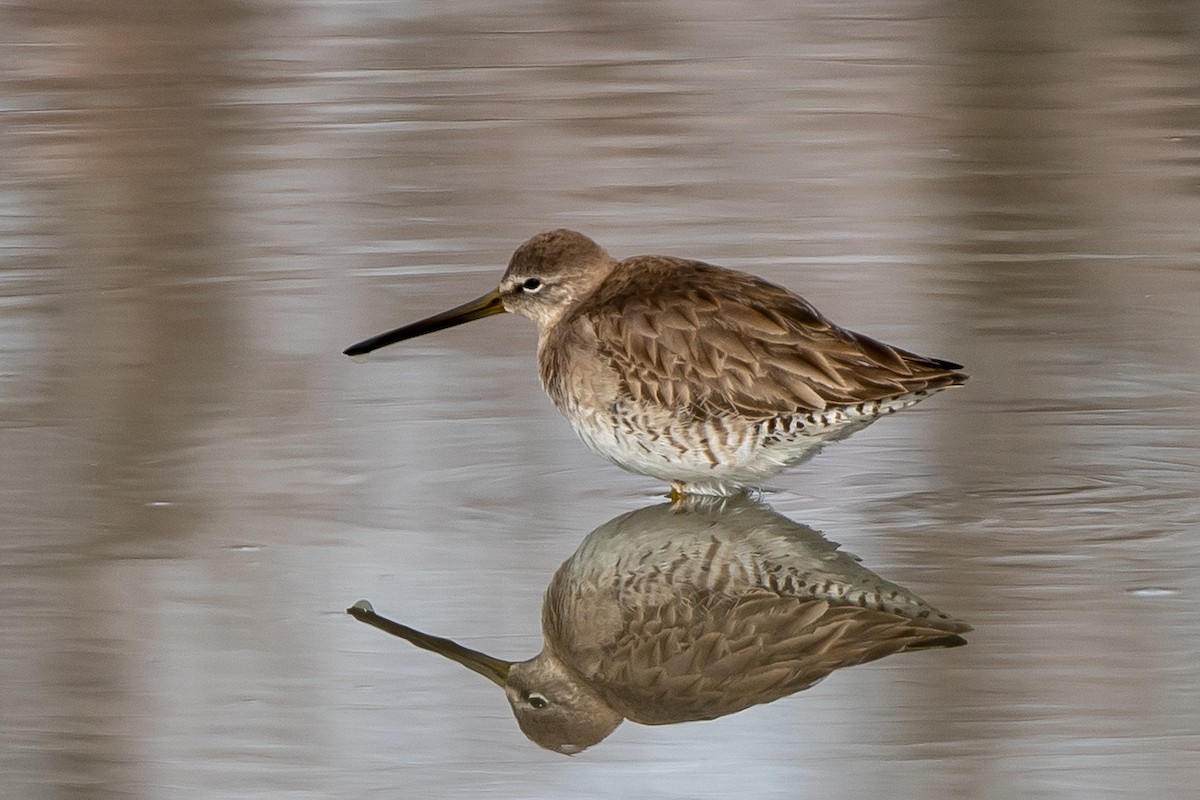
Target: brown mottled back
x=686, y=334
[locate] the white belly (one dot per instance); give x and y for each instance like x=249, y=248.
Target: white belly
x=678, y=455
x=719, y=455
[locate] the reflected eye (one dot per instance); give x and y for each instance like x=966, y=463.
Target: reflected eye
x=531, y=285
x=537, y=701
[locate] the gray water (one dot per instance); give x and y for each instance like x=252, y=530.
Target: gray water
x=201, y=204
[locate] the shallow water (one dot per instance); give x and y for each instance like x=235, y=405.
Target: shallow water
x=202, y=205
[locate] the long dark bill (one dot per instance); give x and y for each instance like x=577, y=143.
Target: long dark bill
x=486, y=306
x=494, y=669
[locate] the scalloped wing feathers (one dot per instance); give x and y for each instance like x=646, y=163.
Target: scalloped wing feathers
x=684, y=334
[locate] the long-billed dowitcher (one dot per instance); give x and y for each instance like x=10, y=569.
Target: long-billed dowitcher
x=691, y=611
x=712, y=379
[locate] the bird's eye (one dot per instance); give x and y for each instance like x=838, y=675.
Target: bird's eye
x=537, y=701
x=531, y=284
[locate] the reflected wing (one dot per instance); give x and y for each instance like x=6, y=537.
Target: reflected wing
x=686, y=334
x=689, y=661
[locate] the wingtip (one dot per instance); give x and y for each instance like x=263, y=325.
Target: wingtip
x=951, y=640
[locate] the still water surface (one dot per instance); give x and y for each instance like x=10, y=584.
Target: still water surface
x=202, y=204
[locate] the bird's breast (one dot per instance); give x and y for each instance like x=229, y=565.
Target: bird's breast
x=574, y=372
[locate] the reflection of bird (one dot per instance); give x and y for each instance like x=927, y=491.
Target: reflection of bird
x=711, y=379
x=693, y=611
